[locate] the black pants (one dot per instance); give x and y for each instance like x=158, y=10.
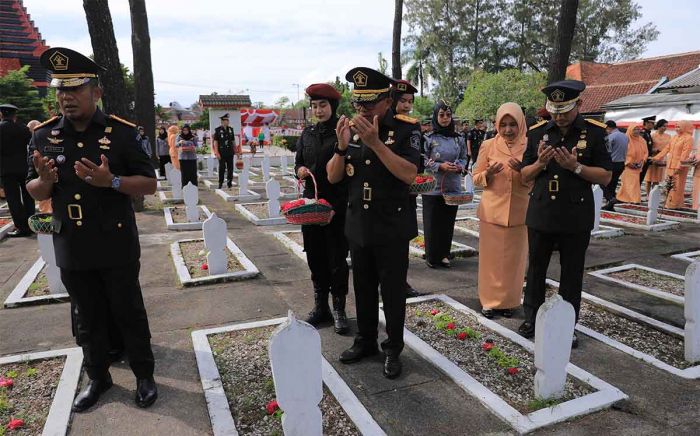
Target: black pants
x=439, y=226
x=645, y=167
x=20, y=203
x=226, y=165
x=384, y=265
x=116, y=342
x=572, y=256
x=611, y=188
x=326, y=250
x=162, y=160
x=115, y=291
x=188, y=168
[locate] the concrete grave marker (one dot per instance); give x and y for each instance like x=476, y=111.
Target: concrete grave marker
x=265, y=165
x=243, y=177
x=214, y=230
x=53, y=274
x=598, y=205
x=191, y=195
x=176, y=184
x=653, y=204
x=692, y=312
x=272, y=187
x=168, y=172
x=210, y=165
x=295, y=358
x=554, y=328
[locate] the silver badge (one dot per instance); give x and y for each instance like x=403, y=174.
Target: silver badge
x=60, y=158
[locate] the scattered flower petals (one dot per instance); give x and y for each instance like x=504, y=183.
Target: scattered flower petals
x=434, y=312
x=15, y=424
x=451, y=326
x=487, y=346
x=205, y=266
x=272, y=407
x=461, y=336
x=6, y=382
x=512, y=371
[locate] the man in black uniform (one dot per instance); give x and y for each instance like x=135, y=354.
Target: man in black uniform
x=14, y=138
x=474, y=139
x=648, y=124
x=224, y=146
x=378, y=154
x=564, y=157
x=89, y=164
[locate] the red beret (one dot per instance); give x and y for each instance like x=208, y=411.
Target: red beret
x=322, y=91
x=405, y=87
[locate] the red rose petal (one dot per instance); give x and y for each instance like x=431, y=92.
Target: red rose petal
x=461, y=336
x=6, y=383
x=451, y=326
x=434, y=312
x=272, y=407
x=205, y=266
x=487, y=346
x=513, y=370
x=15, y=424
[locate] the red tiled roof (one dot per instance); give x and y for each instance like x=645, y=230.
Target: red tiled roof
x=607, y=82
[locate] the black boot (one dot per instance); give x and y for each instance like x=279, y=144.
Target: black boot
x=146, y=392
x=340, y=320
x=92, y=392
x=321, y=312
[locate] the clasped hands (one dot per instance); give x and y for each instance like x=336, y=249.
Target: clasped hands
x=368, y=131
x=566, y=159
x=496, y=167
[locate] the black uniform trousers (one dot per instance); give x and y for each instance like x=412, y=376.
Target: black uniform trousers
x=645, y=167
x=188, y=169
x=384, y=265
x=20, y=203
x=611, y=188
x=97, y=293
x=572, y=256
x=438, y=227
x=226, y=166
x=162, y=160
x=326, y=251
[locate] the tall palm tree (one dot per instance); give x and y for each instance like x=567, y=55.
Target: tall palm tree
x=420, y=68
x=396, y=40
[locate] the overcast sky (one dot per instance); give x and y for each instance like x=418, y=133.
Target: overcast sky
x=264, y=48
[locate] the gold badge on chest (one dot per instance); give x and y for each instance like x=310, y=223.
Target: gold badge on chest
x=104, y=143
x=582, y=143
x=390, y=139
x=55, y=140
x=349, y=170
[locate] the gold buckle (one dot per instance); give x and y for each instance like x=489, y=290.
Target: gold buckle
x=367, y=194
x=75, y=212
x=554, y=186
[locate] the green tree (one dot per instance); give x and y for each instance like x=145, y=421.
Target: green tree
x=344, y=107
x=202, y=122
x=487, y=91
x=282, y=102
x=16, y=88
x=422, y=107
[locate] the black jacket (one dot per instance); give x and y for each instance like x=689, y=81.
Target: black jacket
x=14, y=139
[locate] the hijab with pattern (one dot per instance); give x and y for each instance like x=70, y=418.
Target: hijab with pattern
x=437, y=128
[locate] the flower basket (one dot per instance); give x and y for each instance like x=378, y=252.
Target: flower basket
x=455, y=198
x=423, y=183
x=306, y=211
x=239, y=164
x=41, y=223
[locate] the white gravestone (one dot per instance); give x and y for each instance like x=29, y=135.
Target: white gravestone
x=191, y=196
x=210, y=165
x=266, y=167
x=554, y=329
x=235, y=159
x=168, y=172
x=283, y=164
x=176, y=184
x=243, y=177
x=597, y=206
x=53, y=274
x=653, y=204
x=272, y=188
x=692, y=312
x=295, y=358
x=214, y=231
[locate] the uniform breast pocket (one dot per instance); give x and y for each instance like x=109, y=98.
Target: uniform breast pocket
x=585, y=155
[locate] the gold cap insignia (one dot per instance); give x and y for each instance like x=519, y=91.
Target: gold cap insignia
x=360, y=79
x=581, y=145
x=55, y=140
x=401, y=86
x=59, y=61
x=557, y=95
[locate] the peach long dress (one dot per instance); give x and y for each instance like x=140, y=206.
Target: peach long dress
x=637, y=153
x=696, y=182
x=502, y=230
x=172, y=149
x=655, y=174
x=678, y=150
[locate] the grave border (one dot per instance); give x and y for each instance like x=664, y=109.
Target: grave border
x=249, y=269
x=58, y=418
x=166, y=200
x=661, y=214
x=605, y=395
x=603, y=275
x=297, y=249
x=688, y=256
x=171, y=225
x=660, y=225
x=467, y=232
x=251, y=196
x=250, y=216
x=17, y=296
x=7, y=228
x=461, y=250
x=220, y=415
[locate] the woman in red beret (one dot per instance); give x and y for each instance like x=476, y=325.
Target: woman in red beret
x=326, y=247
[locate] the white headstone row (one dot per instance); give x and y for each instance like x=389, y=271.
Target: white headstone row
x=692, y=312
x=653, y=205
x=191, y=196
x=215, y=237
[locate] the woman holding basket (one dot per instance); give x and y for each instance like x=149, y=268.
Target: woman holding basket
x=326, y=247
x=445, y=155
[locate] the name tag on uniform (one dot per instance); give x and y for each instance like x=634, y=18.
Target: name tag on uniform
x=53, y=149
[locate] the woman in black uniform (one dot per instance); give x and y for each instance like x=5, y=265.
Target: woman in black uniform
x=326, y=247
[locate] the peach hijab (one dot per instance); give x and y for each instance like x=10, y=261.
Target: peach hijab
x=520, y=141
x=636, y=147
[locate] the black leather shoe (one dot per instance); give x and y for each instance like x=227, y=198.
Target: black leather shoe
x=410, y=292
x=392, y=366
x=574, y=341
x=340, y=319
x=430, y=265
x=146, y=392
x=92, y=392
x=527, y=329
x=358, y=352
x=19, y=234
x=506, y=313
x=488, y=313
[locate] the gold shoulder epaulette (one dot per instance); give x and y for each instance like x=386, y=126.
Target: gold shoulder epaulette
x=406, y=118
x=123, y=121
x=50, y=120
x=596, y=123
x=534, y=126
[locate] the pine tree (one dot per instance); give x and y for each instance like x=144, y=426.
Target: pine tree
x=16, y=88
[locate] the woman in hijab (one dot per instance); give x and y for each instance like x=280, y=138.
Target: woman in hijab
x=660, y=140
x=163, y=149
x=637, y=153
x=186, y=143
x=678, y=151
x=502, y=230
x=445, y=155
x=172, y=146
x=326, y=247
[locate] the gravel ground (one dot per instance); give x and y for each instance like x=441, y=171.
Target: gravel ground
x=651, y=280
x=242, y=359
x=194, y=260
x=517, y=390
x=31, y=395
x=180, y=216
x=259, y=210
x=40, y=285
x=468, y=224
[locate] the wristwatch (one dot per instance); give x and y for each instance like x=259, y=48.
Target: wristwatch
x=116, y=183
x=578, y=169
x=338, y=151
